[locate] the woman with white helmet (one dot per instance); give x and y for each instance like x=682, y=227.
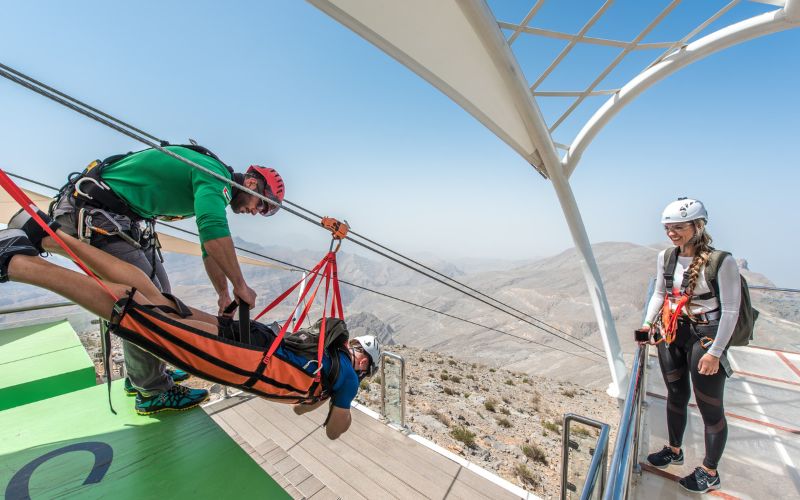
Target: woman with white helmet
x=693, y=328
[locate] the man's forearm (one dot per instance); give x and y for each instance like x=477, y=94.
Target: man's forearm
x=223, y=254
x=216, y=275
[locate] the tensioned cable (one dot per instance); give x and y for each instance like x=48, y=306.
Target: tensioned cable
x=301, y=268
x=420, y=264
x=74, y=104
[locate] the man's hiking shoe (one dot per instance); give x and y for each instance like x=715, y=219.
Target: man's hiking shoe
x=13, y=242
x=176, y=376
x=700, y=481
x=665, y=457
x=23, y=220
x=177, y=398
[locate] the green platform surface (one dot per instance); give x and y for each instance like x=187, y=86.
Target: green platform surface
x=41, y=361
x=170, y=455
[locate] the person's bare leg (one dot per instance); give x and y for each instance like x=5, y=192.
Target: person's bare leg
x=79, y=288
x=74, y=286
x=110, y=268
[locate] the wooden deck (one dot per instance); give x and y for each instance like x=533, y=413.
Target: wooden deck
x=370, y=461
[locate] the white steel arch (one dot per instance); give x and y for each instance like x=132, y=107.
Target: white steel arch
x=458, y=46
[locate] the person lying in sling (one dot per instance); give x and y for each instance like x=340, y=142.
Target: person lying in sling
x=201, y=343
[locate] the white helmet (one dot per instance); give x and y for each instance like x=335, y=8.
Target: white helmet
x=682, y=210
x=372, y=347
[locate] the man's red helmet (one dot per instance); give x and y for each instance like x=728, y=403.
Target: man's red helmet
x=274, y=188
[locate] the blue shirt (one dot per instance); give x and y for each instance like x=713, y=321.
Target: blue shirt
x=344, y=388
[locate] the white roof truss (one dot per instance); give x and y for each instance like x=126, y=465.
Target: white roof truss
x=459, y=47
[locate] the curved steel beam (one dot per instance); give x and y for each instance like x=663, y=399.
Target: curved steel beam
x=764, y=24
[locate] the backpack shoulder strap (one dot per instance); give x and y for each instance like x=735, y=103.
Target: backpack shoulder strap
x=712, y=269
x=670, y=261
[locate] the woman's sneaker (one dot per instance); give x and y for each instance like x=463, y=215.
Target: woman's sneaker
x=13, y=242
x=700, y=481
x=23, y=220
x=662, y=459
x=178, y=397
x=175, y=374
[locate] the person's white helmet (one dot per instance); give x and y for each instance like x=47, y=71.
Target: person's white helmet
x=372, y=347
x=683, y=210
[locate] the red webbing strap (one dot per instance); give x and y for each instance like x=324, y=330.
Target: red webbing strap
x=321, y=343
x=285, y=327
x=337, y=296
x=669, y=319
x=310, y=303
x=314, y=272
x=25, y=202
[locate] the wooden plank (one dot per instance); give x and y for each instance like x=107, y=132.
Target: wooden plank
x=251, y=435
x=298, y=475
x=359, y=453
x=310, y=486
x=325, y=494
x=460, y=491
x=318, y=459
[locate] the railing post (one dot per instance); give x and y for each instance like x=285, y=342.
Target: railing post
x=402, y=384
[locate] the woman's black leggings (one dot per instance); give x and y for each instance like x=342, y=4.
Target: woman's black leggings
x=679, y=363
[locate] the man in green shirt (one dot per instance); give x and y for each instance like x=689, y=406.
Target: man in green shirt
x=114, y=205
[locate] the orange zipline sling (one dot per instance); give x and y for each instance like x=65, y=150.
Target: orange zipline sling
x=267, y=373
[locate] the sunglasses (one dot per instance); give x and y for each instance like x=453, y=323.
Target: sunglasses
x=677, y=227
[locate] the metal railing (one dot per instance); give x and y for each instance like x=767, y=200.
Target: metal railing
x=626, y=449
x=401, y=385
x=597, y=466
x=13, y=310
x=624, y=460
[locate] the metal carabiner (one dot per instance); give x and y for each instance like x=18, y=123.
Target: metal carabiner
x=706, y=342
x=319, y=367
x=90, y=179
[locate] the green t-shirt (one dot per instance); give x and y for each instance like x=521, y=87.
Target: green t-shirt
x=155, y=184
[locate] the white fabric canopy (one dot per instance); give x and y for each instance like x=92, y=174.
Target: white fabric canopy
x=447, y=43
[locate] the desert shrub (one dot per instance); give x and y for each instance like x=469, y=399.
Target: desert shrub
x=377, y=379
x=526, y=475
x=505, y=411
x=455, y=378
x=451, y=362
x=466, y=395
x=526, y=380
x=489, y=404
x=534, y=453
x=439, y=361
x=364, y=385
x=551, y=426
x=445, y=376
x=506, y=400
x=448, y=391
x=492, y=370
x=441, y=417
x=536, y=398
x=464, y=435
x=509, y=382
x=579, y=430
x=503, y=422
x=471, y=376
x=570, y=393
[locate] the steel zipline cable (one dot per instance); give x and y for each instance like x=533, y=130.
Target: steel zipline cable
x=149, y=140
x=295, y=267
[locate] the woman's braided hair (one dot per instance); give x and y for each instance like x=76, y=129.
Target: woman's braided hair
x=702, y=252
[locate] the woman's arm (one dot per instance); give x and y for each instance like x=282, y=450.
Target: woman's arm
x=657, y=299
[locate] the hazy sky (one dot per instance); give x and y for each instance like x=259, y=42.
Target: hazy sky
x=360, y=137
